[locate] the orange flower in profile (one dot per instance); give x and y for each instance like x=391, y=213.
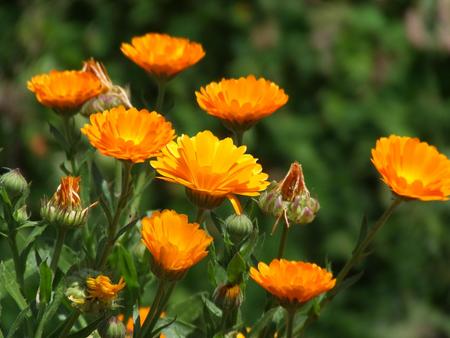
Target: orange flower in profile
x=412, y=168
x=129, y=134
x=240, y=103
x=210, y=169
x=65, y=91
x=163, y=55
x=175, y=244
x=291, y=282
x=102, y=289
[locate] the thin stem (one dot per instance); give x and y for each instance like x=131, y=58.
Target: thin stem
x=283, y=241
x=58, y=248
x=162, y=85
x=238, y=137
x=200, y=215
x=358, y=253
x=290, y=314
x=70, y=321
x=121, y=203
x=68, y=131
x=18, y=266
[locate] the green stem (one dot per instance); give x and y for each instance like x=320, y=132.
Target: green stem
x=162, y=85
x=283, y=241
x=18, y=266
x=238, y=137
x=290, y=314
x=58, y=248
x=70, y=153
x=200, y=215
x=121, y=203
x=358, y=253
x=162, y=296
x=70, y=321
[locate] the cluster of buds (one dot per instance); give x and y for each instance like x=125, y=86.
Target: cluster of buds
x=64, y=208
x=94, y=294
x=113, y=96
x=290, y=199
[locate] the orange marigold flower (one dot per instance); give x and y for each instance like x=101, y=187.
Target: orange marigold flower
x=292, y=282
x=210, y=169
x=412, y=168
x=175, y=244
x=240, y=103
x=65, y=91
x=129, y=134
x=102, y=289
x=163, y=55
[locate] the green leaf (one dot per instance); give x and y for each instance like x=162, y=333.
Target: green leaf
x=364, y=228
x=50, y=310
x=235, y=269
x=85, y=332
x=68, y=259
x=8, y=280
x=126, y=267
x=18, y=322
x=45, y=284
x=195, y=305
x=177, y=329
x=125, y=228
x=250, y=244
x=211, y=307
x=264, y=321
x=59, y=137
x=30, y=238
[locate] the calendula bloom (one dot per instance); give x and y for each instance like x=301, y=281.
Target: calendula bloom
x=240, y=103
x=175, y=244
x=64, y=208
x=412, y=168
x=210, y=169
x=65, y=91
x=101, y=288
x=163, y=55
x=129, y=134
x=292, y=282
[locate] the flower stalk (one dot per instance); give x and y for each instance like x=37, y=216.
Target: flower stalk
x=62, y=231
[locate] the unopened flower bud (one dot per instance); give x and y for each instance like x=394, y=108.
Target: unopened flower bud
x=76, y=294
x=14, y=183
x=228, y=297
x=114, y=328
x=238, y=227
x=21, y=215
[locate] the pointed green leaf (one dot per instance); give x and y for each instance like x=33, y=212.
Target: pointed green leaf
x=8, y=280
x=235, y=269
x=45, y=284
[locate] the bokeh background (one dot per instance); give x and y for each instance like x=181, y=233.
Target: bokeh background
x=353, y=70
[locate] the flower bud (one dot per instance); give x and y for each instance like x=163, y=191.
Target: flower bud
x=228, y=297
x=21, y=215
x=76, y=294
x=14, y=183
x=238, y=227
x=114, y=328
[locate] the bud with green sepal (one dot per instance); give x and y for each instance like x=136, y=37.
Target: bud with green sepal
x=113, y=328
x=238, y=227
x=14, y=184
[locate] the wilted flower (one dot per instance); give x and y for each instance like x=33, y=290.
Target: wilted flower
x=113, y=96
x=162, y=55
x=65, y=91
x=64, y=208
x=240, y=103
x=290, y=199
x=210, y=169
x=129, y=134
x=101, y=288
x=175, y=244
x=412, y=169
x=292, y=282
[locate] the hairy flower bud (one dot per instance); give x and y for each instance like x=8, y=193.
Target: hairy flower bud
x=290, y=198
x=14, y=183
x=114, y=328
x=238, y=227
x=228, y=297
x=21, y=215
x=64, y=208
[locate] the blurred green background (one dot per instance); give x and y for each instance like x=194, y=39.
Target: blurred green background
x=353, y=70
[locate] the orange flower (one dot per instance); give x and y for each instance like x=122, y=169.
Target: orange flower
x=102, y=289
x=240, y=103
x=66, y=196
x=292, y=282
x=210, y=169
x=163, y=55
x=129, y=134
x=412, y=169
x=65, y=91
x=175, y=244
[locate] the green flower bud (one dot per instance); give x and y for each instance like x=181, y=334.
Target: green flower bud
x=114, y=97
x=228, y=297
x=21, y=215
x=238, y=227
x=114, y=328
x=14, y=183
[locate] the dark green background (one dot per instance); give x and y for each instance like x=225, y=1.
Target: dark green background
x=354, y=71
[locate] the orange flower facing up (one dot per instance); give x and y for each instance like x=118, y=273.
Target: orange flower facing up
x=129, y=134
x=291, y=282
x=175, y=244
x=64, y=208
x=65, y=91
x=412, y=169
x=240, y=103
x=163, y=55
x=210, y=169
x=102, y=289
